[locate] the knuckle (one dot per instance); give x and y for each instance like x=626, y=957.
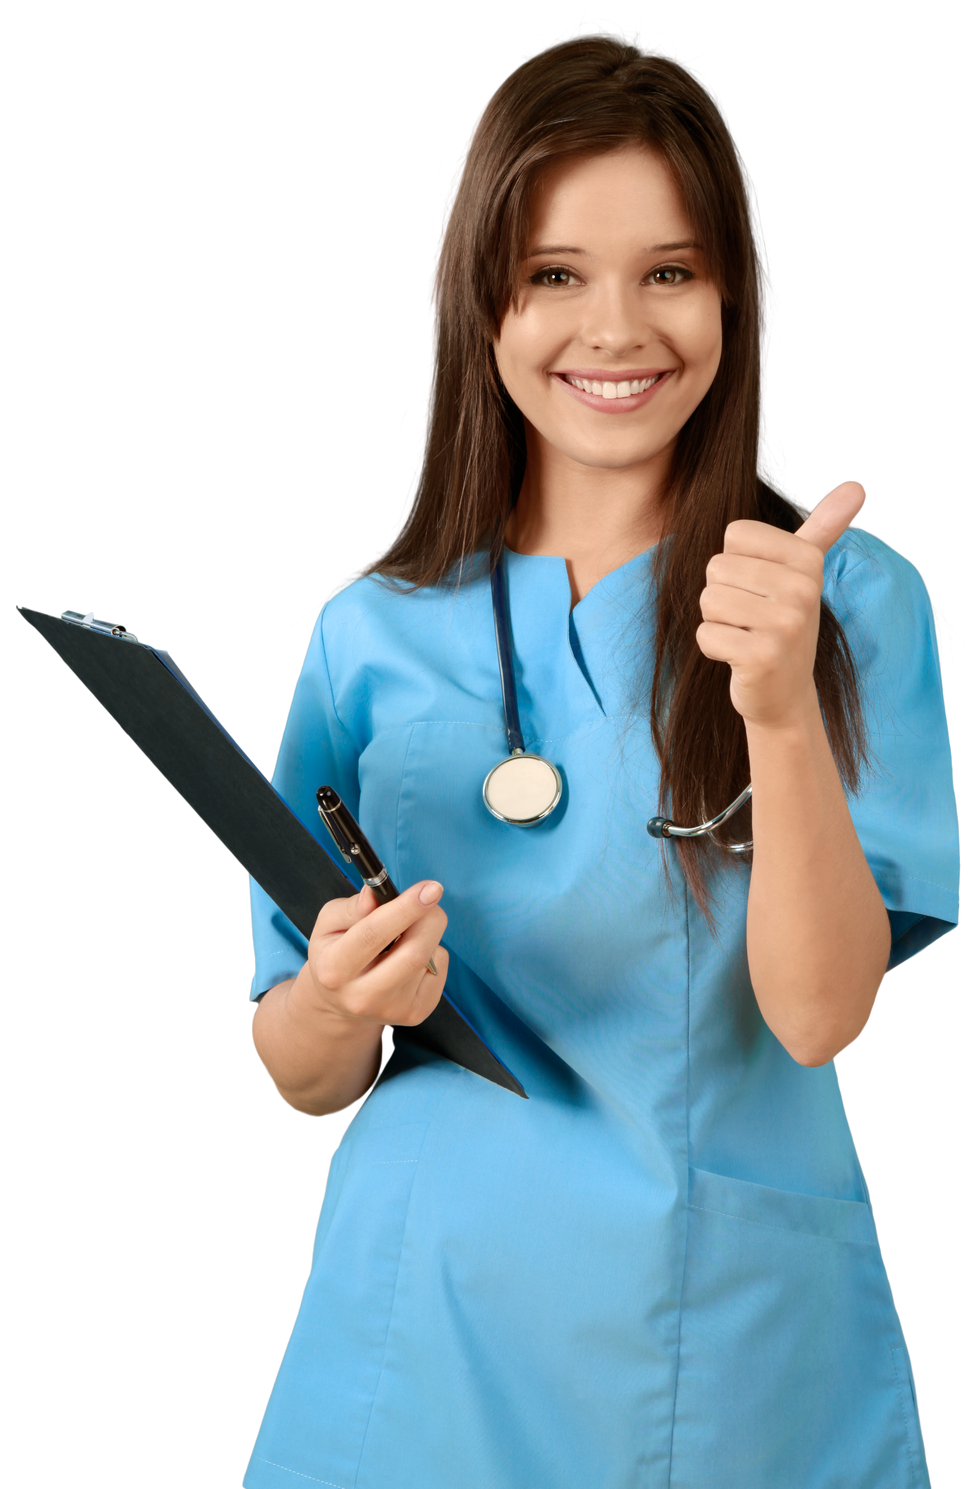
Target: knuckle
x=356, y=1003
x=325, y=975
x=412, y=963
x=372, y=937
x=329, y=917
x=335, y=916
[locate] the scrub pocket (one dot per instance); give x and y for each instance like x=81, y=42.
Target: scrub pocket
x=792, y=1368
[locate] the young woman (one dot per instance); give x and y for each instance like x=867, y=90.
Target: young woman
x=661, y=1269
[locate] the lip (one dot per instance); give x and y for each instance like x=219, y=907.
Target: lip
x=617, y=375
x=600, y=375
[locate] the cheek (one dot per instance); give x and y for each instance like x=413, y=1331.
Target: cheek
x=704, y=340
x=521, y=354
x=510, y=354
x=715, y=353
x=504, y=361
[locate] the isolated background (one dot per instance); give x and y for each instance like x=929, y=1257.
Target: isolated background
x=218, y=244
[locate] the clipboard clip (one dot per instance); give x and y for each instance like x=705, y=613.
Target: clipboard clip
x=343, y=844
x=104, y=627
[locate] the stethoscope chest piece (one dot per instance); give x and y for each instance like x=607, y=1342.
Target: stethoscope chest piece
x=523, y=789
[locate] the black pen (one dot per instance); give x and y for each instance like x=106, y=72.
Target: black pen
x=349, y=838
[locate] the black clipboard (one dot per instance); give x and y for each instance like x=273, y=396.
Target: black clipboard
x=157, y=706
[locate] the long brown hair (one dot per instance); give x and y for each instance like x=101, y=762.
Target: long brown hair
x=584, y=97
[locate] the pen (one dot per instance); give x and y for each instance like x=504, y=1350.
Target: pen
x=348, y=836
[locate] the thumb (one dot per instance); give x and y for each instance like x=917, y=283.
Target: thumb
x=360, y=905
x=832, y=516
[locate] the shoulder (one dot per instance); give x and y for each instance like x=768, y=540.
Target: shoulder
x=865, y=576
x=358, y=596
x=375, y=606
x=881, y=601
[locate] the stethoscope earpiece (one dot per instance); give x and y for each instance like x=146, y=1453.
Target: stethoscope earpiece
x=662, y=827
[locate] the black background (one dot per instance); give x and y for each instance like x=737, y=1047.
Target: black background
x=207, y=362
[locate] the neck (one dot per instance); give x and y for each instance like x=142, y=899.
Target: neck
x=594, y=530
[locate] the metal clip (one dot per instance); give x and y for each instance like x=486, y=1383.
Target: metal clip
x=91, y=623
x=343, y=844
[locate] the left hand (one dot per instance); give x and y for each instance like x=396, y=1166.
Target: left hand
x=761, y=608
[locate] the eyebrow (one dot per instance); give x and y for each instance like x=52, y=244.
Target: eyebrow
x=543, y=250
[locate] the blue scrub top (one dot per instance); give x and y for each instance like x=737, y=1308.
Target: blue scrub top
x=662, y=1269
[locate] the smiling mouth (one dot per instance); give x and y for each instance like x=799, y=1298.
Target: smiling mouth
x=612, y=392
x=611, y=389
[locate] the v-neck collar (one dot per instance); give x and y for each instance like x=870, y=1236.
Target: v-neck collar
x=615, y=580
x=574, y=665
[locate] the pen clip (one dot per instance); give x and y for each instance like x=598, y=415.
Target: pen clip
x=343, y=844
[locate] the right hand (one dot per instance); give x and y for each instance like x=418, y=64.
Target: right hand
x=356, y=979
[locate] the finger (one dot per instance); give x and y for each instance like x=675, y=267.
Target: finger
x=758, y=540
x=742, y=609
x=389, y=990
x=407, y=956
x=723, y=643
x=339, y=915
x=426, y=996
x=831, y=517
x=347, y=954
x=760, y=576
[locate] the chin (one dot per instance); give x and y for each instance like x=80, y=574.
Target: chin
x=612, y=454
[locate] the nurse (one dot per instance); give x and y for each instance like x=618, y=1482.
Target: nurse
x=662, y=1269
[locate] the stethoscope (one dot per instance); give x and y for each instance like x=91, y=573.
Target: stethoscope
x=525, y=788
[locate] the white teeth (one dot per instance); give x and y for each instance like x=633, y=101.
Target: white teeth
x=625, y=389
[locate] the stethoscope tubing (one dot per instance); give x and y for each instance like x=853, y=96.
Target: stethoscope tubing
x=502, y=633
x=657, y=827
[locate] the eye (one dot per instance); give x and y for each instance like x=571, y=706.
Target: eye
x=666, y=268
x=536, y=279
x=672, y=268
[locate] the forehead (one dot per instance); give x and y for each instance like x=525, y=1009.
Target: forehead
x=591, y=164
x=620, y=196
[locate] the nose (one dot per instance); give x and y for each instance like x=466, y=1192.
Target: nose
x=616, y=321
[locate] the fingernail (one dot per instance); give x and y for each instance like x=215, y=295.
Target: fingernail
x=430, y=893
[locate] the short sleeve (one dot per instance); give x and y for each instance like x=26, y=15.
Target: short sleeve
x=904, y=813
x=316, y=750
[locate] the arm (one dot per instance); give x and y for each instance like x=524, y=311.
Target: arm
x=319, y=1063
x=319, y=1034
x=818, y=936
x=817, y=933
x=322, y=1132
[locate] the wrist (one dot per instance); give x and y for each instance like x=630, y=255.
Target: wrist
x=319, y=1059
x=800, y=721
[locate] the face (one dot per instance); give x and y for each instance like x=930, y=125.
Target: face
x=617, y=334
